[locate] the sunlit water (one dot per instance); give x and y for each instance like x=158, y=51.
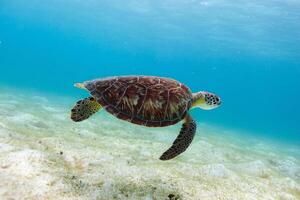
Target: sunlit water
x=247, y=52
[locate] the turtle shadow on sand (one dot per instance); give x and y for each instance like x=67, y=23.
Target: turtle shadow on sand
x=124, y=189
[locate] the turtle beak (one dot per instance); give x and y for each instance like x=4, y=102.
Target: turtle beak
x=219, y=102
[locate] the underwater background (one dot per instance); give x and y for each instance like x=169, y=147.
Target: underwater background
x=247, y=52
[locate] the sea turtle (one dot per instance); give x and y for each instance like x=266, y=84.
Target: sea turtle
x=146, y=100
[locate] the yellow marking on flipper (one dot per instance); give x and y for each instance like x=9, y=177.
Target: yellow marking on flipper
x=95, y=106
x=85, y=108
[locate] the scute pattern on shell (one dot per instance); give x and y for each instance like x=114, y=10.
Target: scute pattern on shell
x=144, y=100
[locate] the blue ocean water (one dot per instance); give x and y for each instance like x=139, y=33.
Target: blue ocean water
x=247, y=52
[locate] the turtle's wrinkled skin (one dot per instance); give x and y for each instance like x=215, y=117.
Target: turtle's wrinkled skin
x=143, y=100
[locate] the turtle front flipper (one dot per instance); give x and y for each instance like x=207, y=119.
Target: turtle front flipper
x=84, y=108
x=183, y=140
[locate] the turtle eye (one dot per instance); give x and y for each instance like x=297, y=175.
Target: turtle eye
x=218, y=100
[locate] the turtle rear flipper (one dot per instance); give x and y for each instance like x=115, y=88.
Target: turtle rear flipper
x=183, y=140
x=84, y=108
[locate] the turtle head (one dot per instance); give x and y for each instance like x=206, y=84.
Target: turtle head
x=206, y=100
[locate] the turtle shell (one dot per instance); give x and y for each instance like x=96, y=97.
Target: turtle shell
x=144, y=100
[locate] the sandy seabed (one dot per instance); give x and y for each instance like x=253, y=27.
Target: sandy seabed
x=44, y=155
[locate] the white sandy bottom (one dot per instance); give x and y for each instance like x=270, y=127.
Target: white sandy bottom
x=43, y=155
